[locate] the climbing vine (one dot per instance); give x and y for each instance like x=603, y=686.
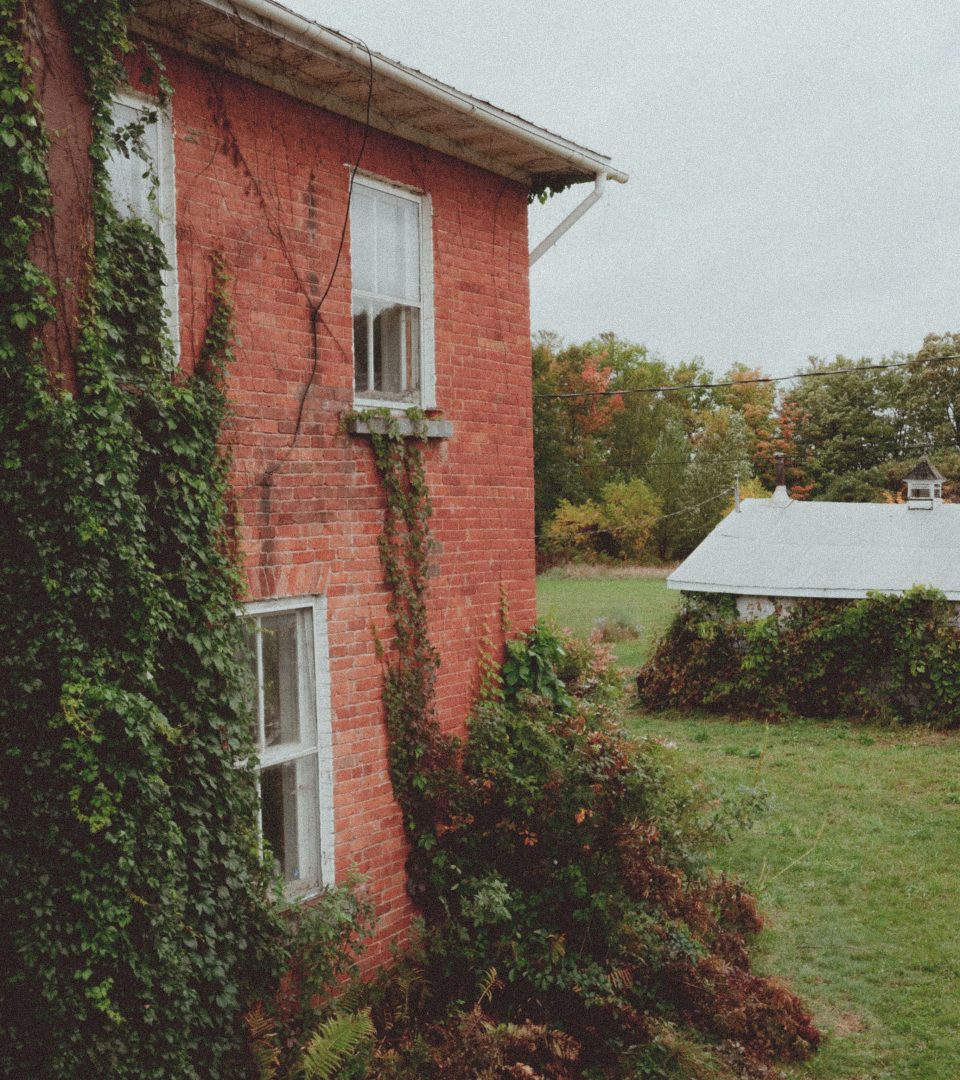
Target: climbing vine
x=136, y=917
x=423, y=761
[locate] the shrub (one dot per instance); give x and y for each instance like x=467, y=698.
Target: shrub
x=573, y=531
x=887, y=658
x=572, y=913
x=619, y=526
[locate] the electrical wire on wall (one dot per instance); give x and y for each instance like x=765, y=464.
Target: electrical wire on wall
x=316, y=307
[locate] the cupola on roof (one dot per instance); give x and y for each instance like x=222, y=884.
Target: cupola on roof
x=925, y=470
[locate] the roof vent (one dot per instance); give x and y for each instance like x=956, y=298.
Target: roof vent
x=781, y=497
x=924, y=485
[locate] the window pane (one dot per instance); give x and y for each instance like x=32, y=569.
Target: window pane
x=250, y=658
x=289, y=802
x=398, y=248
x=363, y=239
x=281, y=683
x=397, y=347
x=360, y=325
x=129, y=177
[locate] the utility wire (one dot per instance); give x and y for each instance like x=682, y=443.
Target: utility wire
x=745, y=382
x=695, y=506
x=316, y=308
x=673, y=513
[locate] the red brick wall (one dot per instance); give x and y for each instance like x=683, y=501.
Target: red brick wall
x=262, y=178
x=61, y=248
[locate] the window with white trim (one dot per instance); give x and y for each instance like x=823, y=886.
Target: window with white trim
x=287, y=651
x=392, y=266
x=142, y=183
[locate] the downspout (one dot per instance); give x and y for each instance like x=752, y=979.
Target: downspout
x=599, y=185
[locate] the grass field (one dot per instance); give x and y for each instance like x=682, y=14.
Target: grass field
x=578, y=602
x=856, y=863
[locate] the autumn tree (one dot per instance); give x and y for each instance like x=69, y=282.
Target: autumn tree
x=846, y=423
x=570, y=419
x=933, y=393
x=721, y=452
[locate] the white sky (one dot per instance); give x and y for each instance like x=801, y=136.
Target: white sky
x=795, y=166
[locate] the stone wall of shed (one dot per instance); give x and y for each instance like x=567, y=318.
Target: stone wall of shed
x=263, y=178
x=751, y=608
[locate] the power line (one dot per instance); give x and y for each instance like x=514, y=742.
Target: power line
x=695, y=506
x=615, y=530
x=745, y=382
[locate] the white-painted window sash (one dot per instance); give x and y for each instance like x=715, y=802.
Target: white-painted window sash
x=427, y=394
x=386, y=299
x=166, y=204
x=314, y=697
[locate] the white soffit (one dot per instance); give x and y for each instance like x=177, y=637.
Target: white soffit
x=833, y=550
x=266, y=42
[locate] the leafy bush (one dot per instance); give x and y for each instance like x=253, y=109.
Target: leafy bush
x=619, y=526
x=311, y=1006
x=886, y=658
x=571, y=913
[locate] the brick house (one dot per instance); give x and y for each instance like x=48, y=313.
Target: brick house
x=374, y=225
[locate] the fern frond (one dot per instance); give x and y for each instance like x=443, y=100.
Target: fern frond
x=332, y=1043
x=263, y=1042
x=563, y=1046
x=490, y=983
x=621, y=978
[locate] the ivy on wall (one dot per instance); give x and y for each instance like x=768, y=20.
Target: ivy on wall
x=422, y=759
x=136, y=917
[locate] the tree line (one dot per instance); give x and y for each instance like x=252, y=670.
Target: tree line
x=627, y=471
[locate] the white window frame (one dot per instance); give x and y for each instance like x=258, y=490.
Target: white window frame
x=320, y=701
x=428, y=385
x=166, y=203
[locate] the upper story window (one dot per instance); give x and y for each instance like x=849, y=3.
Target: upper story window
x=392, y=265
x=141, y=177
x=286, y=650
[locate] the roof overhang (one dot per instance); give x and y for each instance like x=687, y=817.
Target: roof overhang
x=264, y=41
x=786, y=592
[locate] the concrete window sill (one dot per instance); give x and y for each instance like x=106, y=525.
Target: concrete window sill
x=433, y=429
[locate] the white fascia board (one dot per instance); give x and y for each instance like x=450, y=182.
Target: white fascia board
x=776, y=591
x=281, y=23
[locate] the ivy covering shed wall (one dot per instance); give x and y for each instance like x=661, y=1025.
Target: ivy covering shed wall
x=886, y=658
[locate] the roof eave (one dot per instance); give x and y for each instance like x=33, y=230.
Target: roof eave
x=775, y=592
x=264, y=41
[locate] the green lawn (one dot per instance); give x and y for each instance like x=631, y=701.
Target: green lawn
x=642, y=602
x=857, y=866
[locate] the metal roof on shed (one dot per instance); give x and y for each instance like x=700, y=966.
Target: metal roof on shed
x=266, y=42
x=825, y=549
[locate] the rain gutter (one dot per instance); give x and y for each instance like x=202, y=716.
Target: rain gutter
x=311, y=35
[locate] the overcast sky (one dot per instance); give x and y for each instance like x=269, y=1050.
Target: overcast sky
x=794, y=166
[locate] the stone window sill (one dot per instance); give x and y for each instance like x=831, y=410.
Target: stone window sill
x=432, y=429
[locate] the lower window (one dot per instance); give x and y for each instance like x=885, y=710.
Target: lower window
x=286, y=650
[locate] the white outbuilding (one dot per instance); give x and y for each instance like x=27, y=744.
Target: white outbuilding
x=769, y=552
